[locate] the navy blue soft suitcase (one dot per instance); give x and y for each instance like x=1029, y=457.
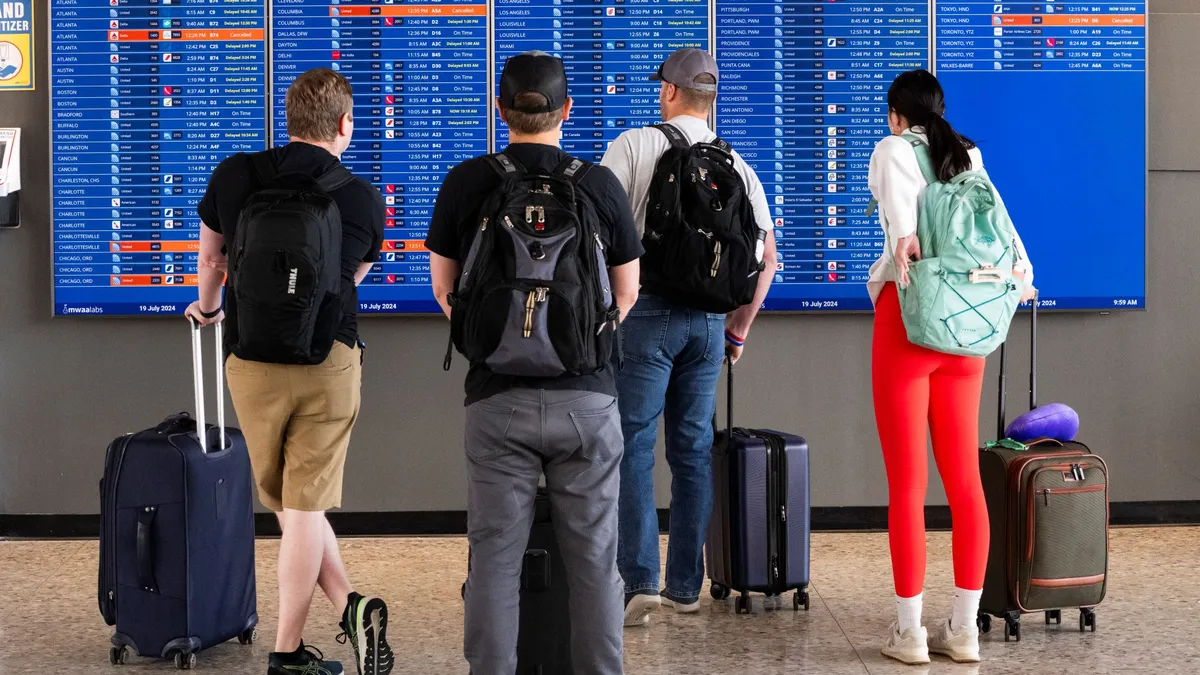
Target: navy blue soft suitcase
x=758, y=538
x=177, y=537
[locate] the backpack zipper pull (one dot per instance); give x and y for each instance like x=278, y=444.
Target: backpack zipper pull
x=716, y=259
x=529, y=214
x=541, y=211
x=535, y=296
x=508, y=221
x=484, y=225
x=1046, y=494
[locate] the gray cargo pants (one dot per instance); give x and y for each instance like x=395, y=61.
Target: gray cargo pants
x=511, y=439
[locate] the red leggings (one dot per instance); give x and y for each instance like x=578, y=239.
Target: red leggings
x=912, y=387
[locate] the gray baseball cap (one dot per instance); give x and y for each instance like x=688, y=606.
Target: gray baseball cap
x=684, y=66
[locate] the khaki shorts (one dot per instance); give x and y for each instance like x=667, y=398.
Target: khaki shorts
x=297, y=422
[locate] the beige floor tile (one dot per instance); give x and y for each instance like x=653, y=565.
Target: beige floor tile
x=1146, y=625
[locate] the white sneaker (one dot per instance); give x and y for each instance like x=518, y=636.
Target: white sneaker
x=908, y=648
x=680, y=608
x=962, y=646
x=639, y=608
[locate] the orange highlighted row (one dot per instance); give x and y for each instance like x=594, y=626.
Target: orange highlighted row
x=410, y=10
x=145, y=280
x=152, y=247
x=404, y=245
x=205, y=35
x=1081, y=20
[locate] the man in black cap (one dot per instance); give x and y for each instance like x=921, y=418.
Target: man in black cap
x=519, y=426
x=673, y=350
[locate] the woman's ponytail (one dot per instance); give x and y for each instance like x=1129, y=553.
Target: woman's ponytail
x=917, y=96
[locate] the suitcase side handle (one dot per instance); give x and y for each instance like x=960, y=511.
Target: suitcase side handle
x=198, y=381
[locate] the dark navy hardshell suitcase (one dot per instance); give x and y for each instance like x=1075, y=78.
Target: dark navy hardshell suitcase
x=758, y=538
x=177, y=538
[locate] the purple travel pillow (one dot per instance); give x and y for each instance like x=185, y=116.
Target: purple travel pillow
x=1056, y=420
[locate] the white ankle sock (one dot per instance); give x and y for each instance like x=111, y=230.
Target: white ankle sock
x=966, y=608
x=908, y=612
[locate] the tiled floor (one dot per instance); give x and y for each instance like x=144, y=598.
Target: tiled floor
x=1150, y=622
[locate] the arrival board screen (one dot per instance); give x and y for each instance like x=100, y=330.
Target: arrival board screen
x=147, y=96
x=419, y=73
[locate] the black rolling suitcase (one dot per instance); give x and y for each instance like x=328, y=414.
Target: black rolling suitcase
x=177, y=538
x=758, y=538
x=544, y=637
x=1048, y=508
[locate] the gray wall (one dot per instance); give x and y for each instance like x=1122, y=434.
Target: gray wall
x=69, y=385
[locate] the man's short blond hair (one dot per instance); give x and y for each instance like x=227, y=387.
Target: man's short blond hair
x=316, y=102
x=696, y=99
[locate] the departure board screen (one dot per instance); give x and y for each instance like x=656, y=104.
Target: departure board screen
x=609, y=48
x=804, y=101
x=419, y=73
x=1055, y=96
x=146, y=98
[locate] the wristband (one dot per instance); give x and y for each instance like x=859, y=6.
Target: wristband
x=735, y=340
x=209, y=315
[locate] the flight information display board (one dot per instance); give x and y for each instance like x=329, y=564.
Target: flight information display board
x=804, y=100
x=146, y=98
x=419, y=73
x=609, y=48
x=1055, y=96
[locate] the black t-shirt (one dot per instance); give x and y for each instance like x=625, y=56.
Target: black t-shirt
x=456, y=215
x=360, y=204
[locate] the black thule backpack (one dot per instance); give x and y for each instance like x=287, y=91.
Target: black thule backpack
x=285, y=266
x=534, y=298
x=701, y=239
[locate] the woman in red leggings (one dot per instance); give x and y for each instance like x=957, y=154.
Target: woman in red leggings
x=915, y=388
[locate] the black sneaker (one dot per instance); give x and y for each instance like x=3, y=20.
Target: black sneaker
x=364, y=625
x=304, y=661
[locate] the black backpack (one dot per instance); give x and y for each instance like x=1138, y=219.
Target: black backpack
x=285, y=266
x=701, y=239
x=534, y=298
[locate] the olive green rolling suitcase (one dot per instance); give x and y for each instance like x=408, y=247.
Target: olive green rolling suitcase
x=1048, y=506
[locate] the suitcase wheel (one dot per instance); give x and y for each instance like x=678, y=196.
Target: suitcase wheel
x=742, y=604
x=984, y=621
x=1054, y=615
x=119, y=655
x=185, y=661
x=800, y=599
x=248, y=636
x=1087, y=619
x=1012, y=627
x=719, y=592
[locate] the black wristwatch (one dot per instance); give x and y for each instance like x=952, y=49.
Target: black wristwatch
x=209, y=315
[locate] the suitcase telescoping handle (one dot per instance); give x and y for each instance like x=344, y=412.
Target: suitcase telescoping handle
x=198, y=382
x=1001, y=421
x=728, y=401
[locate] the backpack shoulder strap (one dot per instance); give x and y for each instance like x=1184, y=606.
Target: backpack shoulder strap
x=923, y=159
x=505, y=166
x=720, y=144
x=572, y=170
x=337, y=176
x=675, y=136
x=264, y=166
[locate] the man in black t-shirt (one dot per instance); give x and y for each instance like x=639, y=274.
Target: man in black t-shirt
x=518, y=427
x=297, y=419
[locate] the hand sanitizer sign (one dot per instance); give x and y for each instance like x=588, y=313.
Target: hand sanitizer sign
x=16, y=44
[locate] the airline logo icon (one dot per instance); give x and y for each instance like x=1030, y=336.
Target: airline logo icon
x=779, y=222
x=610, y=11
x=833, y=276
x=831, y=266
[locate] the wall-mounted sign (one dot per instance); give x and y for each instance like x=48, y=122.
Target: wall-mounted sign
x=16, y=44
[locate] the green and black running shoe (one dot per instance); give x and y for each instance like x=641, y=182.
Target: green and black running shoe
x=364, y=626
x=304, y=661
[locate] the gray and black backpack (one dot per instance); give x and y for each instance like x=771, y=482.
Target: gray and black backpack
x=534, y=298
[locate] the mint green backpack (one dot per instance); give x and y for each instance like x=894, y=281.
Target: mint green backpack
x=962, y=294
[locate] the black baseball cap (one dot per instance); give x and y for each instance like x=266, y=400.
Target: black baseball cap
x=533, y=72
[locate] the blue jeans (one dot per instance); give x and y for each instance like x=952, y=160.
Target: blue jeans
x=672, y=361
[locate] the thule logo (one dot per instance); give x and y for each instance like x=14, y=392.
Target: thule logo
x=292, y=275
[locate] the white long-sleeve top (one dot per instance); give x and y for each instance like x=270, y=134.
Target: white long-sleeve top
x=896, y=182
